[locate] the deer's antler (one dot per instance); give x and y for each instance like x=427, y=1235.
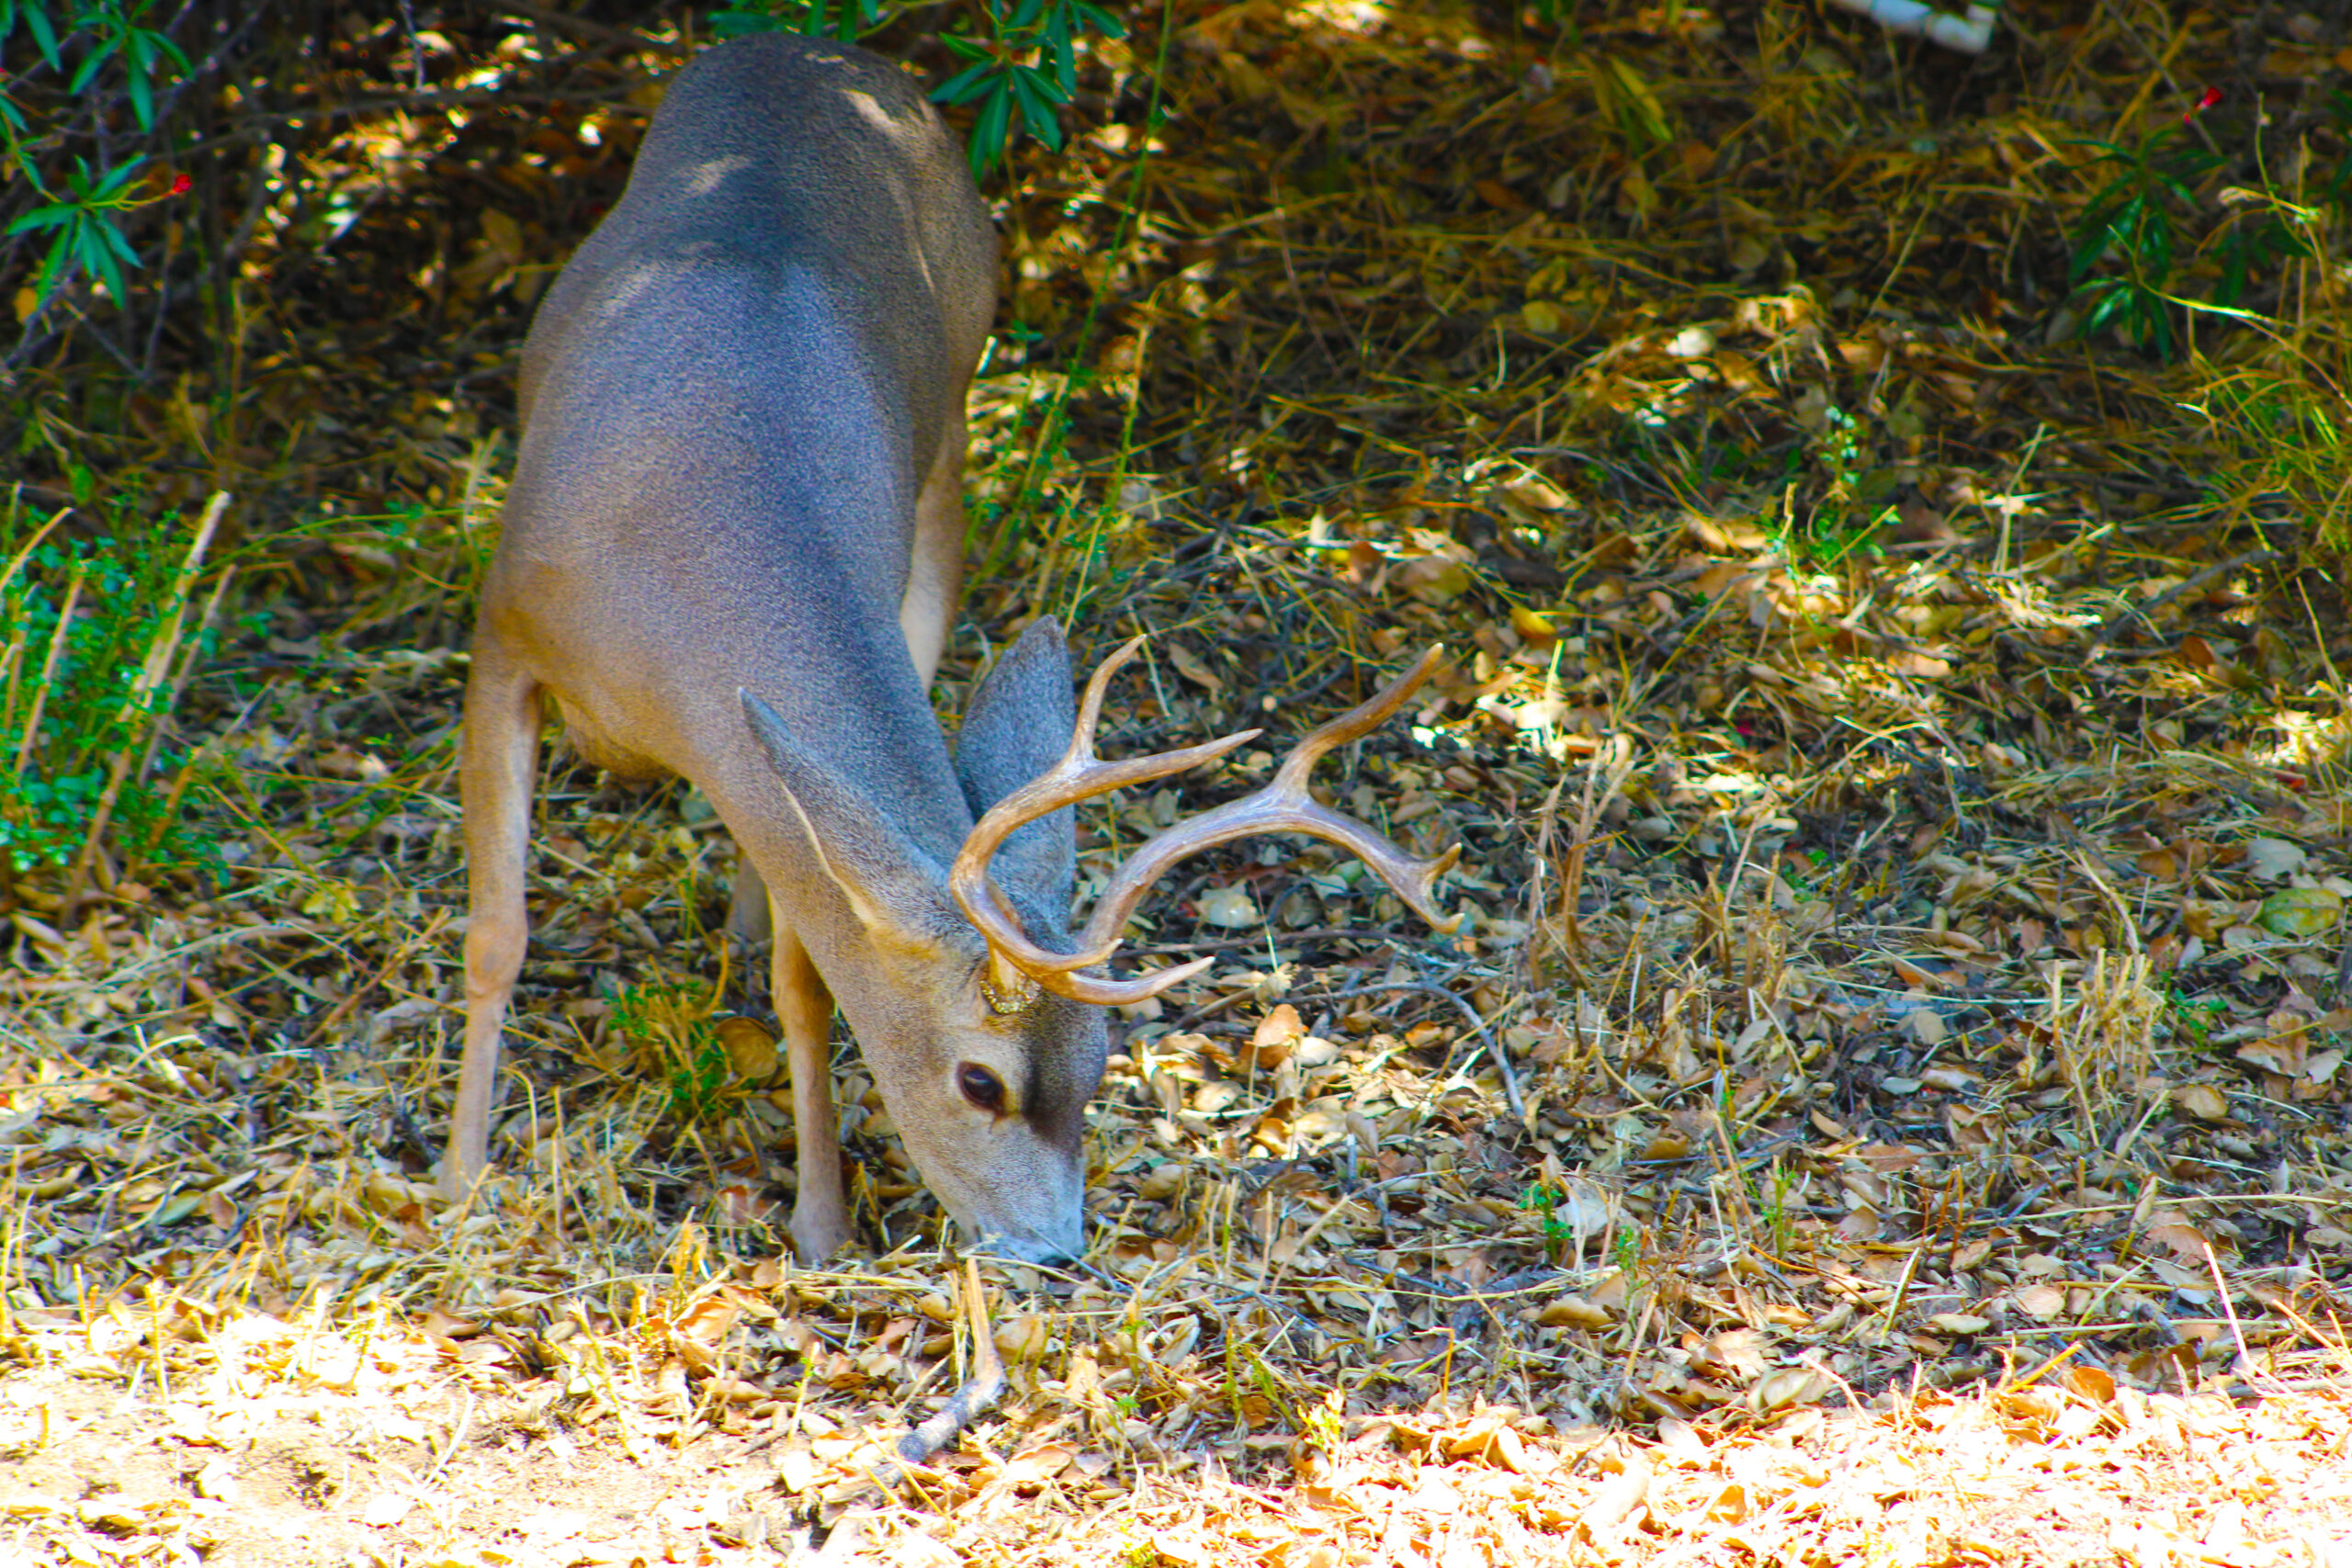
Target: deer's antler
x=1283, y=806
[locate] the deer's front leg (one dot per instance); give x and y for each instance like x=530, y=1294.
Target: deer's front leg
x=805, y=1009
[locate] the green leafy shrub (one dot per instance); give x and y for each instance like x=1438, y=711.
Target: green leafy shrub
x=100, y=636
x=1021, y=57
x=98, y=53
x=2146, y=222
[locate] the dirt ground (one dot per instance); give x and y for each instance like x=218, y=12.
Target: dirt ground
x=260, y=1440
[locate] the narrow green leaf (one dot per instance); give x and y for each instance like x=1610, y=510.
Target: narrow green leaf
x=92, y=64
x=142, y=99
x=1042, y=83
x=117, y=177
x=1037, y=110
x=48, y=217
x=992, y=131
x=964, y=86
x=54, y=264
x=1100, y=20
x=44, y=34
x=116, y=240
x=1059, y=49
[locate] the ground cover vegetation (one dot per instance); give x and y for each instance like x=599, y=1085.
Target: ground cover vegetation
x=1886, y=513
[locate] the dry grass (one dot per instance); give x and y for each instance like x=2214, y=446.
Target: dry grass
x=1885, y=1102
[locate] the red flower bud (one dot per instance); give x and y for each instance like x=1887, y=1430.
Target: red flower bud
x=2205, y=100
x=182, y=185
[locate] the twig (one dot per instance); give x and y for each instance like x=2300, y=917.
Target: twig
x=2190, y=584
x=581, y=26
x=400, y=955
x=48, y=668
x=1277, y=938
x=965, y=1404
x=457, y=1437
x=1486, y=1040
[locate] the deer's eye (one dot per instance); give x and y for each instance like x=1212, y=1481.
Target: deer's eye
x=981, y=1087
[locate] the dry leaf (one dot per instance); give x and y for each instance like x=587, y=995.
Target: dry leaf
x=1229, y=907
x=2042, y=1302
x=2271, y=859
x=1188, y=664
x=1276, y=1037
x=2200, y=1100
x=750, y=1046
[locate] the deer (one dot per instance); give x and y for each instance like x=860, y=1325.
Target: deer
x=732, y=551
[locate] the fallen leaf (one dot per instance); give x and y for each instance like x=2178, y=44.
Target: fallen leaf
x=1617, y=1497
x=2202, y=1100
x=1433, y=580
x=2270, y=859
x=1276, y=1037
x=2042, y=1302
x=750, y=1046
x=2300, y=911
x=1229, y=907
x=1188, y=664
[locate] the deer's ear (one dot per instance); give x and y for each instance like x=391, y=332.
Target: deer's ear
x=891, y=886
x=1017, y=726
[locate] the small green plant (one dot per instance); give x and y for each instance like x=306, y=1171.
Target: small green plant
x=1325, y=1423
x=1628, y=101
x=2284, y=433
x=810, y=18
x=1773, y=1198
x=115, y=33
x=669, y=1028
x=1853, y=507
x=1021, y=57
x=2192, y=1017
x=101, y=634
x=1558, y=1234
x=88, y=236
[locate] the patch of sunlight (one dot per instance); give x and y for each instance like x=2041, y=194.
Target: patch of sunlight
x=1734, y=783
x=1362, y=18
x=2028, y=603
x=2178, y=680
x=2306, y=739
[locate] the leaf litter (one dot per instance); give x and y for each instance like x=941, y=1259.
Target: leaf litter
x=1884, y=1099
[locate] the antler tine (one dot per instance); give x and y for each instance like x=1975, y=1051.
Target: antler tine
x=1354, y=724
x=1284, y=806
x=1080, y=775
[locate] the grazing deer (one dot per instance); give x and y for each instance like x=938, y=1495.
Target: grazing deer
x=732, y=551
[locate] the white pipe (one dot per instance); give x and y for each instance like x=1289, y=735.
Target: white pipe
x=1967, y=34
